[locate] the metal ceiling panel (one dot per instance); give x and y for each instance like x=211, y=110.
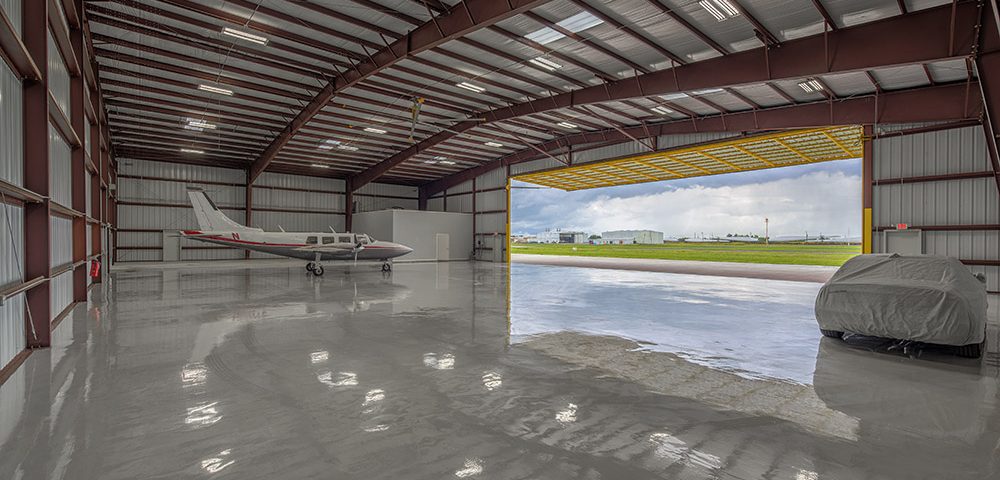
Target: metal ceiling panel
x=903, y=76
x=855, y=12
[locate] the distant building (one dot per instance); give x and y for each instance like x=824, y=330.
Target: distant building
x=560, y=236
x=629, y=237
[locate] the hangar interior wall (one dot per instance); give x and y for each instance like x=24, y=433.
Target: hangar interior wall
x=940, y=182
x=152, y=199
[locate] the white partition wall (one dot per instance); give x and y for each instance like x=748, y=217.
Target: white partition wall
x=420, y=230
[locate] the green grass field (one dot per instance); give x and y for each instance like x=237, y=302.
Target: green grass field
x=785, y=253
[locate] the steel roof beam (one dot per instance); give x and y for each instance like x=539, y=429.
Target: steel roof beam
x=629, y=31
x=466, y=17
x=943, y=102
x=915, y=38
x=768, y=38
x=589, y=42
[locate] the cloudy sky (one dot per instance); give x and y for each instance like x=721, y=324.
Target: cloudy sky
x=819, y=198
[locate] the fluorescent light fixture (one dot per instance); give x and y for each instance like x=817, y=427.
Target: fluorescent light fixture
x=470, y=87
x=374, y=130
x=545, y=63
x=328, y=144
x=720, y=9
x=211, y=89
x=349, y=148
x=662, y=110
x=446, y=162
x=567, y=125
x=440, y=158
x=189, y=127
x=240, y=34
x=191, y=150
x=196, y=123
x=320, y=165
x=493, y=144
x=673, y=96
x=430, y=162
x=576, y=23
x=706, y=91
x=811, y=86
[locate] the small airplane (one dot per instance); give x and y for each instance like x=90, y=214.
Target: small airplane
x=215, y=227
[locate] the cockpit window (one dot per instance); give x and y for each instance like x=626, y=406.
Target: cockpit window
x=345, y=239
x=363, y=239
x=311, y=240
x=329, y=240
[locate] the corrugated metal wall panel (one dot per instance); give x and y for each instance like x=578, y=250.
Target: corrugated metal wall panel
x=392, y=196
x=534, y=165
x=60, y=169
x=435, y=204
x=940, y=203
x=58, y=77
x=298, y=222
x=60, y=293
x=145, y=168
x=87, y=187
x=86, y=133
x=140, y=239
x=11, y=252
x=491, y=201
x=12, y=119
x=948, y=151
x=12, y=341
x=270, y=198
x=213, y=254
x=14, y=11
x=461, y=188
x=671, y=141
x=164, y=218
x=492, y=179
x=611, y=151
x=161, y=191
x=61, y=241
x=461, y=203
x=299, y=181
x=140, y=255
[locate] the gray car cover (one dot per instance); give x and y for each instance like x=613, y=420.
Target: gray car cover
x=924, y=298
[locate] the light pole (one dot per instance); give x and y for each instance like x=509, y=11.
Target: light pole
x=767, y=241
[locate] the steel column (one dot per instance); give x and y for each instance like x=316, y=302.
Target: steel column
x=36, y=174
x=867, y=163
x=348, y=205
x=78, y=160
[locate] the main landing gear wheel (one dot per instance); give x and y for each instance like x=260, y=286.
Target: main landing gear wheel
x=310, y=266
x=832, y=333
x=386, y=267
x=317, y=270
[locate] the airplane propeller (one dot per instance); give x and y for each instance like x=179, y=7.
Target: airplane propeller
x=357, y=248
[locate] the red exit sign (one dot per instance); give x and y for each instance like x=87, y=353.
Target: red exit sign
x=902, y=226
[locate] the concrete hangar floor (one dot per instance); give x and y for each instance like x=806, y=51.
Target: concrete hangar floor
x=259, y=370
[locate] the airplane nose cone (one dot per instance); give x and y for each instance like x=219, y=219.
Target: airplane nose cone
x=406, y=249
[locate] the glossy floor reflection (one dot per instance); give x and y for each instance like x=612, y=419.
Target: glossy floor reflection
x=250, y=373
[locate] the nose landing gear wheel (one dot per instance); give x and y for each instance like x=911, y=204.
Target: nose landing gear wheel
x=386, y=267
x=310, y=266
x=318, y=270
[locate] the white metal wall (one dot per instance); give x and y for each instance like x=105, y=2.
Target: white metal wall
x=325, y=197
x=380, y=196
x=173, y=208
x=12, y=339
x=12, y=120
x=60, y=293
x=13, y=10
x=939, y=203
x=60, y=169
x=59, y=78
x=61, y=241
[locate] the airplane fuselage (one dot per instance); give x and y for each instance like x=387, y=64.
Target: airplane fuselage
x=305, y=246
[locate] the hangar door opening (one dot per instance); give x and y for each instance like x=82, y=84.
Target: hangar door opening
x=788, y=197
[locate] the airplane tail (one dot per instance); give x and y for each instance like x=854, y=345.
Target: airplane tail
x=210, y=218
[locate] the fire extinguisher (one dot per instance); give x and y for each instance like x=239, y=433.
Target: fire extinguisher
x=95, y=268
